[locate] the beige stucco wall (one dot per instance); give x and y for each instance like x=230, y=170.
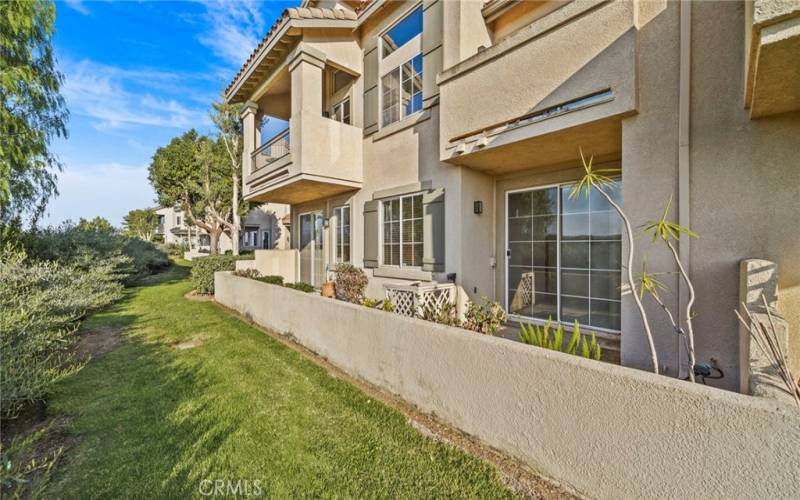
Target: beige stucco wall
x=742, y=204
x=608, y=431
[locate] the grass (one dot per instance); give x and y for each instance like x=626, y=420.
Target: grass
x=153, y=421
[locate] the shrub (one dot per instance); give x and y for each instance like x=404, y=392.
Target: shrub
x=247, y=273
x=175, y=249
x=485, y=318
x=300, y=286
x=42, y=304
x=350, y=282
x=444, y=314
x=383, y=305
x=271, y=279
x=540, y=336
x=88, y=243
x=203, y=270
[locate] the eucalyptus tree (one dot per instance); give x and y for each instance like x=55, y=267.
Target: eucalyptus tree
x=32, y=110
x=186, y=174
x=141, y=223
x=227, y=118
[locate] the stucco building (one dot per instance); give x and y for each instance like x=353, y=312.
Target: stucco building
x=439, y=140
x=266, y=226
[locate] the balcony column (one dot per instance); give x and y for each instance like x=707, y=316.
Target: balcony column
x=306, y=66
x=250, y=137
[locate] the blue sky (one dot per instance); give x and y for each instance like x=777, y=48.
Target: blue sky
x=136, y=75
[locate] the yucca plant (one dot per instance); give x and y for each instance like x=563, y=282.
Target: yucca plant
x=599, y=180
x=669, y=232
x=552, y=338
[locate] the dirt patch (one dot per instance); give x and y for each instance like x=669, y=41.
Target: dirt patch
x=34, y=449
x=199, y=297
x=515, y=474
x=94, y=343
x=189, y=344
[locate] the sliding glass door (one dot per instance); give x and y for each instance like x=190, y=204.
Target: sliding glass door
x=563, y=257
x=311, y=244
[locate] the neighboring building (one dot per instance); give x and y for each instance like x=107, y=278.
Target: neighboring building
x=440, y=140
x=264, y=227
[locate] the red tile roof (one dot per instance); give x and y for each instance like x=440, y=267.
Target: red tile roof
x=293, y=13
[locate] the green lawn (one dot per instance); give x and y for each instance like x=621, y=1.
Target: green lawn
x=152, y=420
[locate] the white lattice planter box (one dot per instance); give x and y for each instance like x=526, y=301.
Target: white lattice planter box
x=412, y=298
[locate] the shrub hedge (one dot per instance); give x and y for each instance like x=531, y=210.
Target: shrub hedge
x=42, y=304
x=203, y=270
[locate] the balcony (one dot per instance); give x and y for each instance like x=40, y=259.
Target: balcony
x=273, y=150
x=772, y=48
x=315, y=157
x=533, y=98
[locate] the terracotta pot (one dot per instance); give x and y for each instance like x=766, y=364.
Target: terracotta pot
x=329, y=289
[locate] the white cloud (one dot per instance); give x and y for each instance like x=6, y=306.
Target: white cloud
x=235, y=28
x=108, y=191
x=116, y=97
x=79, y=6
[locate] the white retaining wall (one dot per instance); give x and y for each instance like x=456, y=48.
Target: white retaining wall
x=606, y=430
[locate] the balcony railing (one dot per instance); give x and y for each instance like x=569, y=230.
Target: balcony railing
x=272, y=150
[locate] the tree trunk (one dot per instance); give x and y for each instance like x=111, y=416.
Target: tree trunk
x=213, y=235
x=237, y=223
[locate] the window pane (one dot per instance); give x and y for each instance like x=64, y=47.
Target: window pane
x=390, y=105
x=418, y=228
x=575, y=255
x=606, y=314
x=521, y=254
x=545, y=254
x=402, y=32
x=598, y=201
x=575, y=227
x=544, y=306
x=606, y=284
x=417, y=205
x=519, y=204
x=545, y=280
x=574, y=309
x=606, y=226
x=544, y=201
x=544, y=228
x=606, y=255
x=407, y=211
x=575, y=282
x=573, y=204
x=519, y=229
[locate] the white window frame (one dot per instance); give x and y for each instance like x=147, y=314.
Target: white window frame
x=340, y=105
x=558, y=269
x=397, y=59
x=338, y=232
x=400, y=198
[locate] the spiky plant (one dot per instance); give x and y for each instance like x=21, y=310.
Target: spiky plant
x=548, y=337
x=669, y=232
x=599, y=180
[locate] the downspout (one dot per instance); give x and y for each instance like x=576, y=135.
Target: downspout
x=684, y=165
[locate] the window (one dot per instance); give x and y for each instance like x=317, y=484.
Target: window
x=402, y=231
x=401, y=69
x=341, y=111
x=250, y=237
x=564, y=257
x=342, y=215
x=402, y=32
x=177, y=220
x=402, y=91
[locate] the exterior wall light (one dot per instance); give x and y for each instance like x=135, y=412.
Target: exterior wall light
x=477, y=207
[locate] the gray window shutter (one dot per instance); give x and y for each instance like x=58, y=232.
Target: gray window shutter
x=433, y=230
x=371, y=111
x=371, y=232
